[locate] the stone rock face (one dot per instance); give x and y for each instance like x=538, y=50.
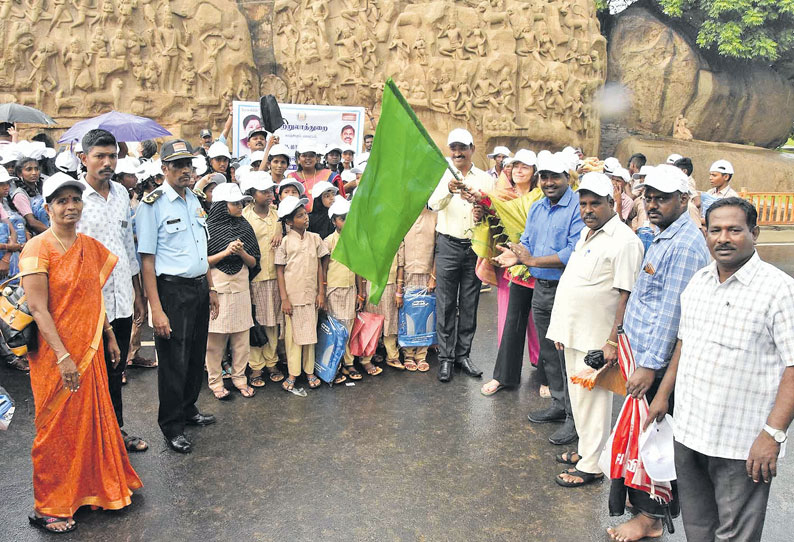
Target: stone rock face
x=668, y=77
x=513, y=72
x=178, y=61
x=757, y=169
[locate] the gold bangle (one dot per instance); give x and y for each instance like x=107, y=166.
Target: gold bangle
x=63, y=357
x=213, y=289
x=612, y=343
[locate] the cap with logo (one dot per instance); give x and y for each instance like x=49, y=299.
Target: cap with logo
x=339, y=207
x=668, y=179
x=176, y=149
x=206, y=132
x=611, y=164
x=722, y=166
x=597, y=183
x=218, y=150
x=673, y=158
x=229, y=192
x=623, y=173
x=257, y=130
x=57, y=181
x=66, y=161
x=644, y=171
x=289, y=204
x=460, y=135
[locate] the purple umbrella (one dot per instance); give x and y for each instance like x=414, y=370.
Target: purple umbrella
x=123, y=126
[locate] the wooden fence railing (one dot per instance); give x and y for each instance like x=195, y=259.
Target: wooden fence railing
x=774, y=208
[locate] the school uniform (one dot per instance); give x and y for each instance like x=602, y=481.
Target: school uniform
x=341, y=294
x=420, y=244
x=388, y=308
x=264, y=288
x=300, y=257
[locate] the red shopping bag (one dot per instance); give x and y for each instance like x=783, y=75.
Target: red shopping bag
x=365, y=334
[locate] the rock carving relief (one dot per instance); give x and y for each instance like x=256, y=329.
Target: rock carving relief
x=506, y=68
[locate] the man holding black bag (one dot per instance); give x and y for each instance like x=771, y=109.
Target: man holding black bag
x=602, y=270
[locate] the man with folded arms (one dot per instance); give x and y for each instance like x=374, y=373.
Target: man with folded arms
x=602, y=270
x=733, y=374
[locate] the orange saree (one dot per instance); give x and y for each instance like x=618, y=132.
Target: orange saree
x=78, y=454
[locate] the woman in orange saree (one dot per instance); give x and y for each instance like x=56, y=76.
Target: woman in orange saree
x=78, y=453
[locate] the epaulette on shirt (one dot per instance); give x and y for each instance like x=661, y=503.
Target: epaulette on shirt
x=153, y=196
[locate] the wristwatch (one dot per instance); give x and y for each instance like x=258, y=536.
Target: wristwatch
x=779, y=436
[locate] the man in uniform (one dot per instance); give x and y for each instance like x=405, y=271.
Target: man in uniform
x=172, y=241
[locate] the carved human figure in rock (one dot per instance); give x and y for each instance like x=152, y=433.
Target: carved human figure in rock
x=443, y=94
x=188, y=76
x=60, y=14
x=318, y=13
x=150, y=75
x=77, y=62
x=137, y=70
x=454, y=44
x=507, y=90
x=546, y=46
x=348, y=50
x=149, y=12
x=125, y=9
x=461, y=106
x=106, y=12
x=8, y=9
x=535, y=97
x=169, y=44
x=233, y=36
x=308, y=51
x=245, y=87
x=98, y=46
x=481, y=92
x=680, y=129
x=81, y=7
x=526, y=42
x=287, y=36
x=388, y=12
x=209, y=70
x=353, y=11
x=477, y=42
x=41, y=74
x=369, y=56
x=419, y=50
x=35, y=11
x=555, y=99
x=401, y=50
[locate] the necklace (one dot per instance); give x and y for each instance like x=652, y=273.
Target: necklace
x=314, y=177
x=59, y=240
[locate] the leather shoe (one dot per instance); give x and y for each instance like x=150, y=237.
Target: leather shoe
x=445, y=371
x=201, y=419
x=470, y=368
x=548, y=415
x=565, y=434
x=179, y=444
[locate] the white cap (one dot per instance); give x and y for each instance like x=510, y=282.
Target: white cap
x=340, y=206
x=257, y=129
x=4, y=176
x=242, y=171
x=218, y=150
x=306, y=146
x=200, y=163
x=668, y=179
x=127, y=165
x=293, y=182
x=348, y=176
x=35, y=149
x=280, y=149
x=348, y=148
x=65, y=161
x=258, y=180
x=673, y=158
x=323, y=186
x=611, y=164
x=78, y=147
x=551, y=162
x=623, y=173
x=229, y=192
x=256, y=156
x=571, y=161
x=501, y=150
x=596, y=182
x=525, y=156
x=57, y=181
x=289, y=204
x=331, y=147
x=362, y=158
x=722, y=166
x=570, y=150
x=644, y=170
x=657, y=450
x=460, y=135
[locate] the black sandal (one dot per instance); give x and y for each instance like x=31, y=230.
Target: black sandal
x=43, y=522
x=352, y=373
x=587, y=478
x=275, y=374
x=133, y=443
x=566, y=458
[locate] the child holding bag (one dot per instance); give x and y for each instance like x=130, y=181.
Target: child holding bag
x=301, y=284
x=390, y=303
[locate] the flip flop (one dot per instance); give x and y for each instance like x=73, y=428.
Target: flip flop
x=565, y=458
x=423, y=366
x=587, y=478
x=489, y=392
x=410, y=365
x=373, y=369
x=275, y=375
x=352, y=373
x=247, y=392
x=313, y=381
x=221, y=396
x=44, y=521
x=396, y=363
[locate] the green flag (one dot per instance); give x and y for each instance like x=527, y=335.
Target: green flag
x=403, y=169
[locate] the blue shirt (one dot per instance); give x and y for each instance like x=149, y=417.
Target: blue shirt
x=553, y=229
x=654, y=308
x=174, y=230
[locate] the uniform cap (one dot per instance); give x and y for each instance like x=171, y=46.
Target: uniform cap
x=176, y=149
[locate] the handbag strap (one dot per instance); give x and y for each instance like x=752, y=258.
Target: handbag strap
x=7, y=281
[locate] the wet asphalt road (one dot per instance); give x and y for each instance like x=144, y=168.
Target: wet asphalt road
x=398, y=457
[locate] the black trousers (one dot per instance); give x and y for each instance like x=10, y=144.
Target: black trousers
x=180, y=369
x=122, y=328
x=553, y=360
x=457, y=298
x=720, y=502
x=510, y=358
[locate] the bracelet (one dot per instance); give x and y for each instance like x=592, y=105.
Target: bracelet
x=612, y=343
x=362, y=298
x=63, y=357
x=213, y=289
x=432, y=276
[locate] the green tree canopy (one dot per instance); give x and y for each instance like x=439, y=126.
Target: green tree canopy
x=761, y=30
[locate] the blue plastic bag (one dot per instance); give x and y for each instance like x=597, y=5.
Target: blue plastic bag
x=37, y=206
x=4, y=236
x=331, y=341
x=417, y=319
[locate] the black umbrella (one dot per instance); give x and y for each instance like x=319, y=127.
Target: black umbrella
x=22, y=113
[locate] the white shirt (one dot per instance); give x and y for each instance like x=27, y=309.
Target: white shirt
x=725, y=192
x=737, y=338
x=110, y=222
x=588, y=294
x=454, y=213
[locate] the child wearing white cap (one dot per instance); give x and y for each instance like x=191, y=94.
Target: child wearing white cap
x=420, y=273
x=301, y=284
x=262, y=216
x=323, y=194
x=720, y=176
x=345, y=291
